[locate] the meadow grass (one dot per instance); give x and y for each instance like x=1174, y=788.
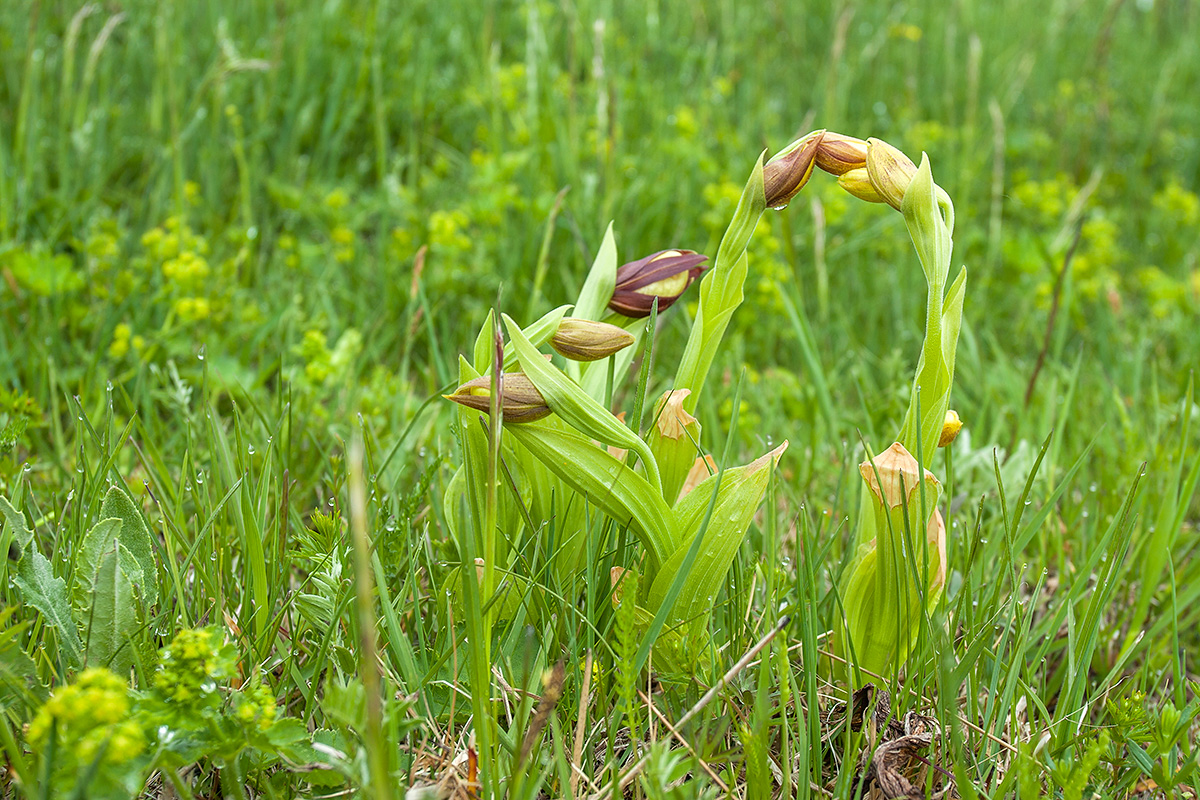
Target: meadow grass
x=241, y=245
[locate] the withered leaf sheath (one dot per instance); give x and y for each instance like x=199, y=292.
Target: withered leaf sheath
x=787, y=172
x=664, y=275
x=521, y=401
x=586, y=340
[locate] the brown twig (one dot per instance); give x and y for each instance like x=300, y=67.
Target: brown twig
x=1058, y=286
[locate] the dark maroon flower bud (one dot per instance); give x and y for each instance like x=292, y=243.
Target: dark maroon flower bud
x=664, y=275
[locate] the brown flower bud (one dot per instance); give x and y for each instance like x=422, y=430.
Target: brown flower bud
x=585, y=340
x=858, y=183
x=520, y=400
x=891, y=171
x=839, y=154
x=665, y=275
x=950, y=428
x=789, y=169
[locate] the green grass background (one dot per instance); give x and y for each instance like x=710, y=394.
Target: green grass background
x=210, y=215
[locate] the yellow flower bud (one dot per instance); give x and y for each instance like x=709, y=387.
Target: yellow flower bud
x=950, y=428
x=585, y=340
x=890, y=171
x=858, y=183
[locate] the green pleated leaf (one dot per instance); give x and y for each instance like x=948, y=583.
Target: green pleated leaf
x=135, y=536
x=48, y=594
x=738, y=498
x=609, y=484
x=112, y=618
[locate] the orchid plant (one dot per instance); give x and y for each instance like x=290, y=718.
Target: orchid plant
x=564, y=455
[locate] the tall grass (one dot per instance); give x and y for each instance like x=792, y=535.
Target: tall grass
x=364, y=181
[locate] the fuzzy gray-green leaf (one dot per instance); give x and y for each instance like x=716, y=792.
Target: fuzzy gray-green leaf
x=112, y=618
x=47, y=593
x=16, y=521
x=135, y=536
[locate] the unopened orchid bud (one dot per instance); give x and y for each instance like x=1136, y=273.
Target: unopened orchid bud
x=894, y=477
x=520, y=401
x=950, y=428
x=787, y=172
x=585, y=340
x=838, y=154
x=890, y=170
x=858, y=183
x=898, y=576
x=664, y=275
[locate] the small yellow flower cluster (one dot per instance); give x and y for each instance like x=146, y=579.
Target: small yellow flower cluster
x=343, y=240
x=123, y=339
x=255, y=706
x=87, y=714
x=337, y=200
x=1046, y=200
x=446, y=230
x=191, y=663
x=171, y=239
x=187, y=269
x=287, y=245
x=192, y=309
x=1178, y=205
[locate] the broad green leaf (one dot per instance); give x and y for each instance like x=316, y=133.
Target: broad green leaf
x=135, y=536
x=95, y=542
x=48, y=594
x=575, y=406
x=18, y=673
x=609, y=484
x=112, y=618
x=738, y=498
